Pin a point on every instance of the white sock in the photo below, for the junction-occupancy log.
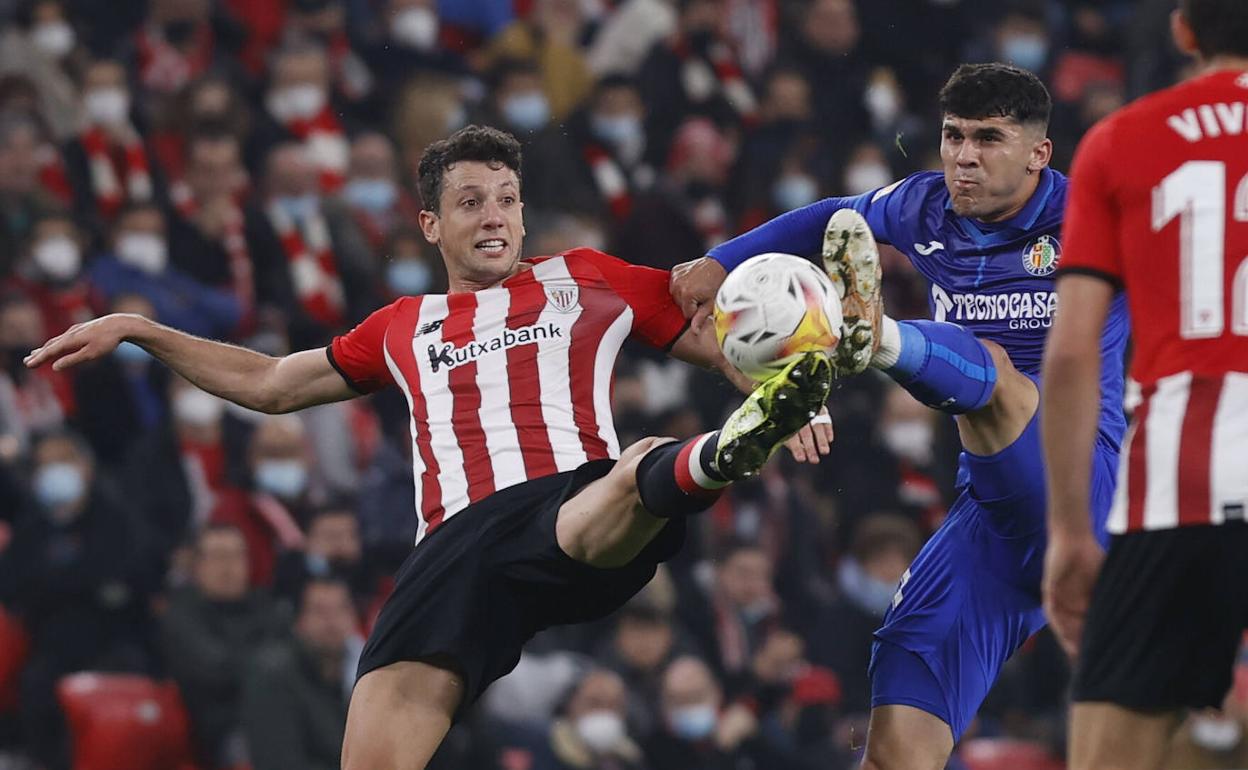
(886, 355)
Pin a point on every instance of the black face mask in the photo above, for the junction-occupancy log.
(179, 32)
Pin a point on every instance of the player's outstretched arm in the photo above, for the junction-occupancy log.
(250, 379)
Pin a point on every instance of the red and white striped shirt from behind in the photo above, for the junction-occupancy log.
(511, 383)
(1186, 457)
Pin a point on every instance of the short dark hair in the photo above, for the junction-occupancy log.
(995, 90)
(1220, 26)
(320, 581)
(484, 144)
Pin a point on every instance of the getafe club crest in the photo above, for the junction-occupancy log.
(1041, 256)
(564, 297)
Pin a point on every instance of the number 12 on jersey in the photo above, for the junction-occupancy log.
(1196, 192)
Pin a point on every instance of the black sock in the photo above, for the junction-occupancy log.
(680, 478)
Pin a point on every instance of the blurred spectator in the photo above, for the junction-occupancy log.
(22, 196)
(1021, 38)
(694, 73)
(211, 105)
(294, 696)
(139, 264)
(322, 276)
(120, 399)
(374, 195)
(410, 41)
(280, 495)
(733, 619)
(611, 141)
(866, 170)
(299, 108)
(108, 162)
(177, 44)
(551, 36)
(324, 22)
(639, 650)
(593, 732)
(409, 271)
(209, 630)
(78, 574)
(28, 399)
(332, 549)
(867, 577)
(43, 46)
(625, 37)
(51, 272)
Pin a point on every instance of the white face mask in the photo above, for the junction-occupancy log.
(883, 103)
(108, 106)
(910, 440)
(415, 28)
(296, 102)
(600, 730)
(1216, 733)
(865, 177)
(53, 39)
(146, 251)
(195, 407)
(58, 257)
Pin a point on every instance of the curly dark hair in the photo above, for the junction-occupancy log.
(978, 91)
(472, 142)
(1220, 26)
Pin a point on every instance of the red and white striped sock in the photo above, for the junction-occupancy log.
(680, 478)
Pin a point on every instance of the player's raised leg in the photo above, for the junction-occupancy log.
(609, 522)
(941, 364)
(399, 714)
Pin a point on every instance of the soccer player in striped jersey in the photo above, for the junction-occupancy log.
(530, 513)
(1158, 209)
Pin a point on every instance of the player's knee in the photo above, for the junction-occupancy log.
(1011, 386)
(625, 471)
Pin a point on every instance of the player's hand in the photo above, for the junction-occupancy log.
(84, 342)
(814, 440)
(693, 285)
(1071, 566)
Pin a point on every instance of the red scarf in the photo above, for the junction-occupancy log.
(718, 71)
(52, 176)
(165, 68)
(110, 195)
(234, 241)
(611, 180)
(324, 139)
(312, 269)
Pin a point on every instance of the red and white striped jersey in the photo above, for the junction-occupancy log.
(1158, 204)
(511, 383)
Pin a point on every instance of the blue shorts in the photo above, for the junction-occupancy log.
(972, 596)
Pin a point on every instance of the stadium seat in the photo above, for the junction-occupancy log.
(14, 647)
(1007, 754)
(125, 722)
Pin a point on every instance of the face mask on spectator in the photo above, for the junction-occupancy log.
(298, 207)
(1025, 50)
(372, 195)
(758, 609)
(145, 251)
(58, 257)
(865, 177)
(600, 730)
(282, 478)
(792, 191)
(910, 440)
(883, 103)
(58, 484)
(408, 276)
(109, 106)
(619, 131)
(527, 112)
(130, 353)
(53, 39)
(195, 407)
(694, 723)
(1216, 733)
(415, 28)
(296, 102)
(869, 594)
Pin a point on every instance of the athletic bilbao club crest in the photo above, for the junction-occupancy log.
(564, 297)
(1041, 256)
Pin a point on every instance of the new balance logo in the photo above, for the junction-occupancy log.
(432, 326)
(449, 356)
(931, 247)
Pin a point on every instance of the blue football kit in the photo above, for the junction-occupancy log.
(972, 595)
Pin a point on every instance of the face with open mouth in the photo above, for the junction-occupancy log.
(479, 227)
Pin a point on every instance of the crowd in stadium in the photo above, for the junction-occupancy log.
(244, 171)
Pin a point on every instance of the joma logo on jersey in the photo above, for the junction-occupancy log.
(449, 356)
(1020, 309)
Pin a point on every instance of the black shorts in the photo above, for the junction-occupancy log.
(1166, 619)
(475, 590)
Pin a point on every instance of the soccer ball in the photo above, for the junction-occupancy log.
(773, 308)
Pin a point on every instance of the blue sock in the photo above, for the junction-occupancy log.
(944, 366)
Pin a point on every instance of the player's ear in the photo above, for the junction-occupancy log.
(1041, 154)
(1181, 31)
(430, 225)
